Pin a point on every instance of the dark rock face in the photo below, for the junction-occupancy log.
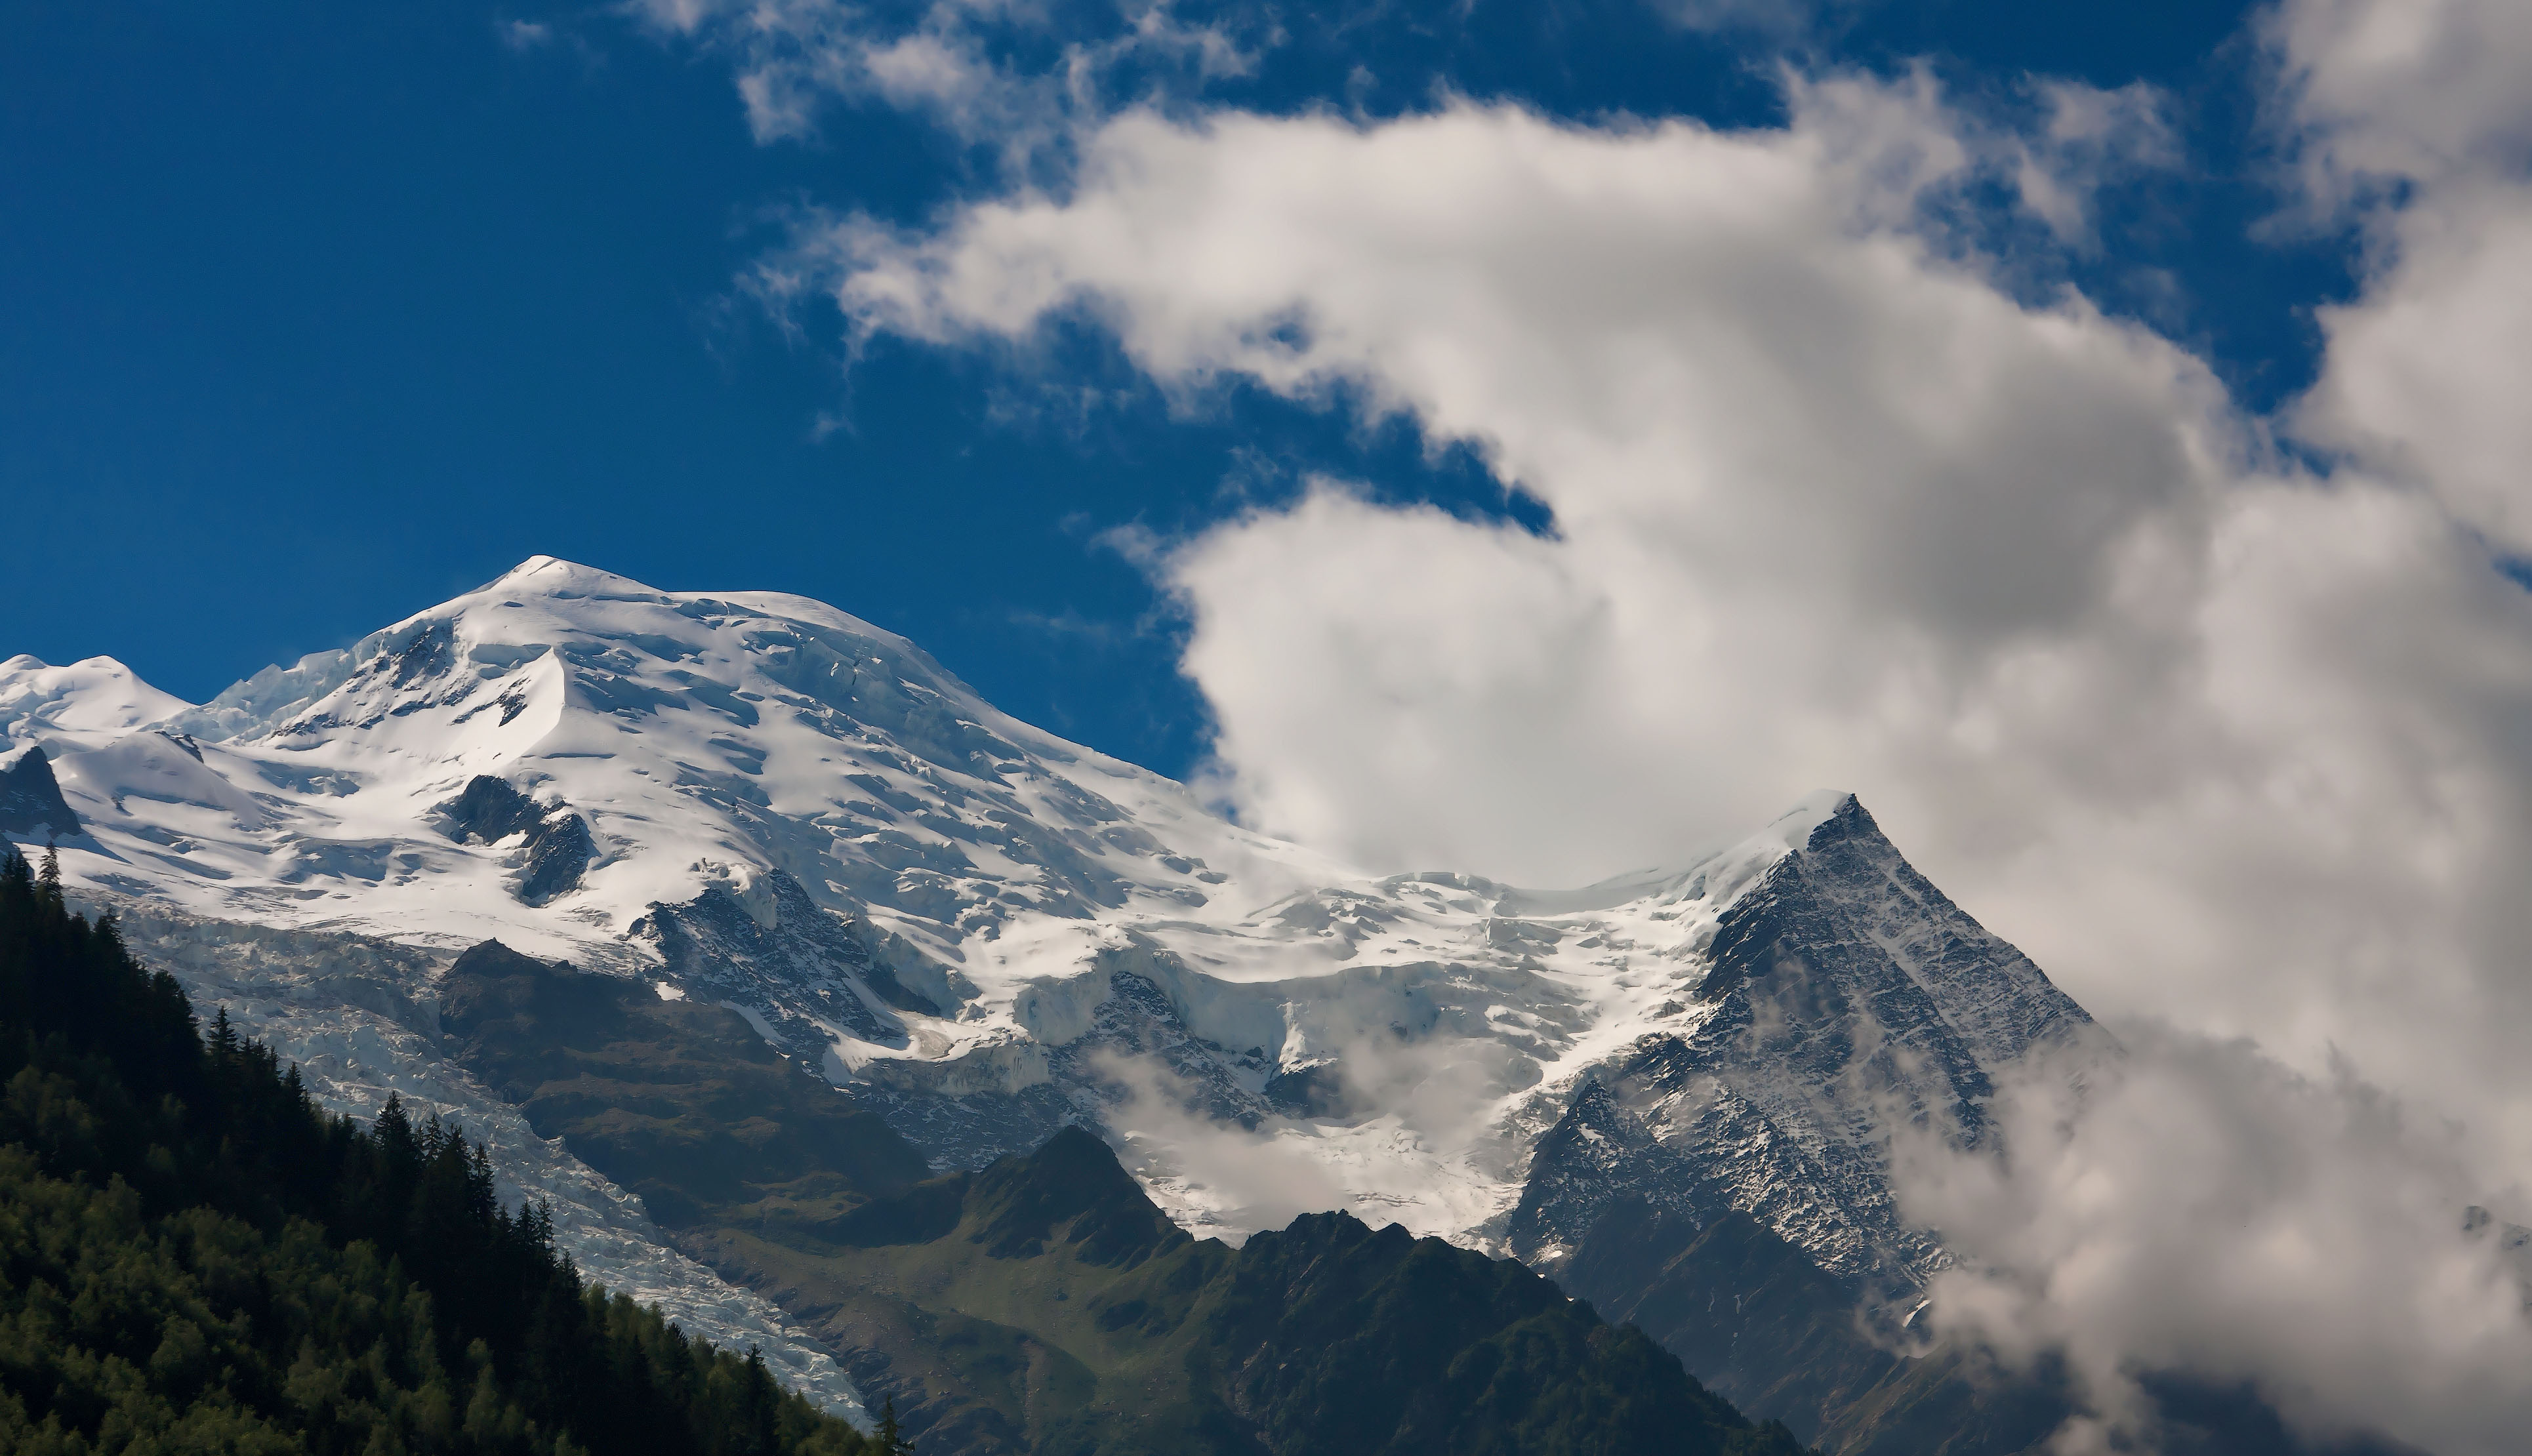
(808, 965)
(1738, 1305)
(1705, 1170)
(1313, 1090)
(1848, 994)
(490, 810)
(1138, 1022)
(428, 655)
(809, 972)
(970, 1129)
(557, 847)
(30, 798)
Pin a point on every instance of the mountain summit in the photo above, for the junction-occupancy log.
(695, 739)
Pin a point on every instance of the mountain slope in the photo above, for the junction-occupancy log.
(983, 934)
(1045, 1304)
(678, 1101)
(1840, 990)
(764, 800)
(359, 1017)
(1088, 1323)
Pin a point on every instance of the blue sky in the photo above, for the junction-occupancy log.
(310, 317)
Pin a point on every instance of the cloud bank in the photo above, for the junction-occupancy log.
(2199, 1207)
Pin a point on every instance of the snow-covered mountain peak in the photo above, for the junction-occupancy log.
(555, 577)
(692, 738)
(988, 931)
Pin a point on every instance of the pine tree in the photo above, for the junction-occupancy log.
(891, 1437)
(49, 880)
(395, 1131)
(761, 1403)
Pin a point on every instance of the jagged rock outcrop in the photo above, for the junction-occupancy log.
(30, 798)
(808, 971)
(555, 846)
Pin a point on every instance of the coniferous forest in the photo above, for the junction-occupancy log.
(194, 1257)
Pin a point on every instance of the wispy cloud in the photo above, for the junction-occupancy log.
(1005, 76)
(2090, 139)
(524, 36)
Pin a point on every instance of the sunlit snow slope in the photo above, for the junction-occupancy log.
(988, 931)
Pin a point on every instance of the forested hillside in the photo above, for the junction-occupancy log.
(194, 1257)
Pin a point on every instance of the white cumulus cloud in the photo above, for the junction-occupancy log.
(2224, 739)
(2214, 736)
(2420, 114)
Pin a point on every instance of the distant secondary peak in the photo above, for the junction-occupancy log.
(1072, 1170)
(95, 694)
(492, 958)
(1071, 1189)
